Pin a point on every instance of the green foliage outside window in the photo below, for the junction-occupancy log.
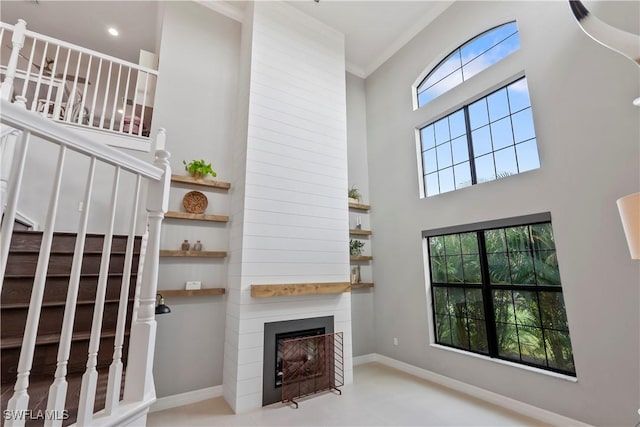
(521, 276)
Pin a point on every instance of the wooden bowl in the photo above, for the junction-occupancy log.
(195, 202)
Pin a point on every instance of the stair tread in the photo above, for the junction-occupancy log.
(59, 252)
(26, 276)
(39, 390)
(16, 342)
(56, 304)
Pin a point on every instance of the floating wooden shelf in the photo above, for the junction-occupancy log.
(202, 182)
(197, 217)
(295, 289)
(362, 285)
(191, 292)
(359, 206)
(361, 258)
(196, 254)
(358, 232)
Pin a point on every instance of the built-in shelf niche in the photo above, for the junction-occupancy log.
(171, 293)
(361, 285)
(359, 232)
(183, 179)
(196, 217)
(195, 254)
(359, 206)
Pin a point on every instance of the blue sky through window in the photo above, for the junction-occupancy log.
(468, 60)
(502, 139)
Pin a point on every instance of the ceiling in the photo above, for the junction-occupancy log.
(374, 30)
(85, 23)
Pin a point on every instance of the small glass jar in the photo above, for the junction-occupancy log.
(197, 246)
(185, 245)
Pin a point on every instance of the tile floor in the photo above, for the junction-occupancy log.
(379, 396)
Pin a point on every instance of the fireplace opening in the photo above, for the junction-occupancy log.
(275, 333)
(280, 338)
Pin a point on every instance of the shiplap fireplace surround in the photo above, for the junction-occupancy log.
(289, 205)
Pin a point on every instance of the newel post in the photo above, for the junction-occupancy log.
(17, 40)
(139, 384)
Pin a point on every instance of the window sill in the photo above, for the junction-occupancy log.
(506, 362)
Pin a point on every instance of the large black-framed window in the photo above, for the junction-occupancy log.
(496, 291)
(490, 138)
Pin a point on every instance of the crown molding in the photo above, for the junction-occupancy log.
(355, 70)
(225, 8)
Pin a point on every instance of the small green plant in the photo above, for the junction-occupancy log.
(355, 247)
(354, 193)
(199, 168)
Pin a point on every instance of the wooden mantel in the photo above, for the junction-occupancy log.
(295, 289)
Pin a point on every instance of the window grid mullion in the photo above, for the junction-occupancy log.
(487, 297)
(515, 317)
(472, 163)
(544, 336)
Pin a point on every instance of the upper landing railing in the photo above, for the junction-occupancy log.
(75, 85)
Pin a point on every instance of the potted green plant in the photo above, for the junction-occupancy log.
(199, 168)
(354, 195)
(355, 247)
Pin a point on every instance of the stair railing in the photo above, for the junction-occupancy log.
(74, 85)
(139, 391)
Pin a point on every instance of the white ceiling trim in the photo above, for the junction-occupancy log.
(355, 70)
(223, 7)
(405, 37)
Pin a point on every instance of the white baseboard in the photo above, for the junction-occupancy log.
(365, 358)
(480, 393)
(187, 398)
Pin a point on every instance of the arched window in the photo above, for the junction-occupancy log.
(468, 60)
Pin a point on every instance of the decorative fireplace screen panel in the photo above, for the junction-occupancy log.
(312, 364)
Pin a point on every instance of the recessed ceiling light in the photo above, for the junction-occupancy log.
(120, 111)
(113, 31)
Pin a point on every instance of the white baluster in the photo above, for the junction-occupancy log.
(27, 80)
(136, 295)
(58, 390)
(95, 94)
(90, 377)
(124, 100)
(17, 40)
(20, 400)
(115, 370)
(133, 108)
(139, 380)
(115, 99)
(106, 95)
(60, 92)
(74, 90)
(144, 100)
(51, 82)
(84, 91)
(15, 184)
(39, 81)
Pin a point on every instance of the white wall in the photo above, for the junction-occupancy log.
(588, 134)
(362, 313)
(195, 102)
(294, 207)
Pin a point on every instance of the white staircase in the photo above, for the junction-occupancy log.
(25, 128)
